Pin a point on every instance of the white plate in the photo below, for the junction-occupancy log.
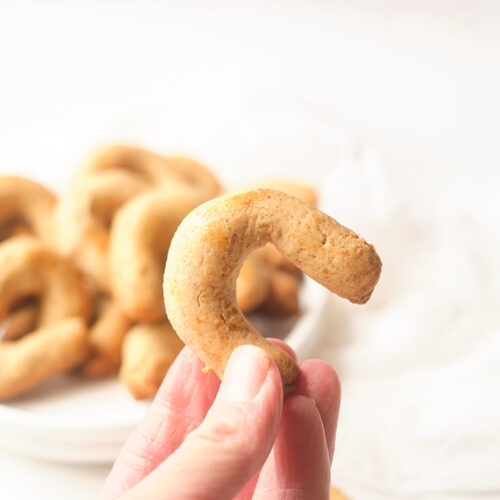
(70, 419)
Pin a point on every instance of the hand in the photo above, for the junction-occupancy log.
(202, 439)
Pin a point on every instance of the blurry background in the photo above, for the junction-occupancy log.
(393, 108)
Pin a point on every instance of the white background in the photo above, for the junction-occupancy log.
(420, 81)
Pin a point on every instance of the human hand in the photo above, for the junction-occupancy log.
(202, 439)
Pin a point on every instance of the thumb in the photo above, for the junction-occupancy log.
(218, 458)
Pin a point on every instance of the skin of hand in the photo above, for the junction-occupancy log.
(205, 439)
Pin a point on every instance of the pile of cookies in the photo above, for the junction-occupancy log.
(81, 275)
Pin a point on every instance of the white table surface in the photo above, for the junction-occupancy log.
(421, 82)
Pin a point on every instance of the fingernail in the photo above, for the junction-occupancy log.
(245, 374)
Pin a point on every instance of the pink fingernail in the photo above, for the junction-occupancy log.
(245, 374)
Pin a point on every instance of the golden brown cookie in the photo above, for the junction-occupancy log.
(107, 334)
(26, 208)
(84, 215)
(213, 241)
(139, 244)
(45, 352)
(29, 270)
(109, 177)
(283, 296)
(148, 352)
(253, 283)
(21, 320)
(153, 168)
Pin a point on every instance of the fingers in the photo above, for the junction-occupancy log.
(227, 449)
(179, 407)
(319, 381)
(298, 467)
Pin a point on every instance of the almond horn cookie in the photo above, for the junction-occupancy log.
(153, 168)
(41, 354)
(253, 284)
(148, 352)
(107, 333)
(210, 246)
(139, 242)
(109, 177)
(84, 216)
(29, 270)
(20, 321)
(26, 208)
